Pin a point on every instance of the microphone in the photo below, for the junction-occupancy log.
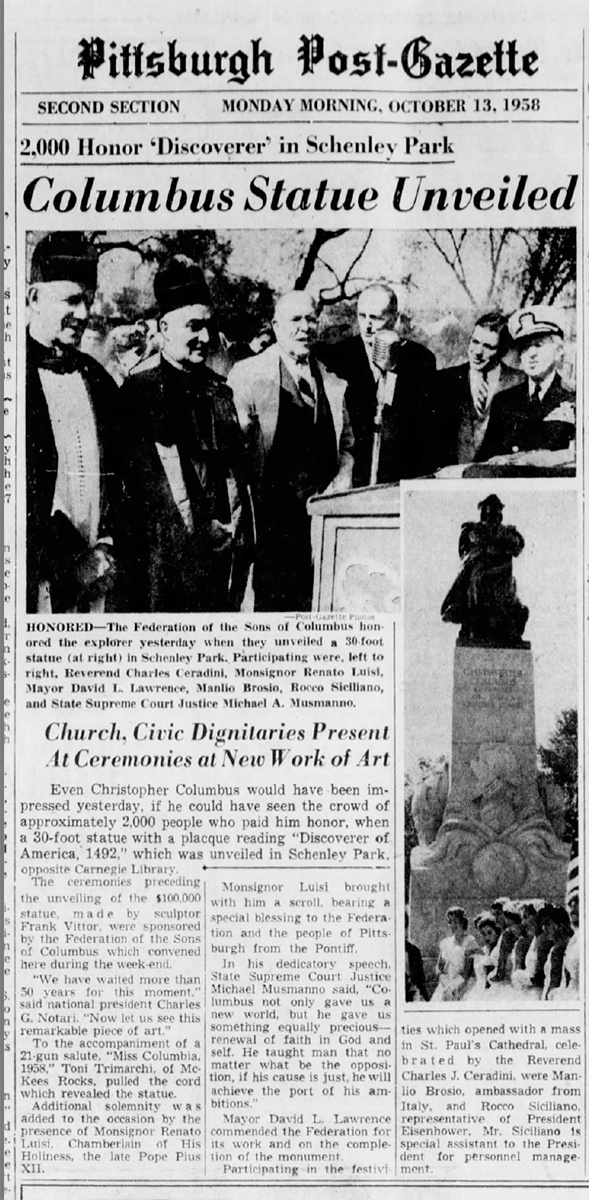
(385, 350)
(384, 358)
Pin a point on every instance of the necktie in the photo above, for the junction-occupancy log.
(306, 389)
(535, 394)
(480, 393)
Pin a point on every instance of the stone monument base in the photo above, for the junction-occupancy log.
(495, 838)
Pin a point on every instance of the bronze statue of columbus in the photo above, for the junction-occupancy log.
(483, 598)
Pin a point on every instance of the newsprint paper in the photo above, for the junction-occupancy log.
(293, 575)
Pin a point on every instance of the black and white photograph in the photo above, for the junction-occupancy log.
(295, 565)
(491, 802)
(219, 420)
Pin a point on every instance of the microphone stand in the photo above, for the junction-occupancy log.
(385, 391)
(377, 436)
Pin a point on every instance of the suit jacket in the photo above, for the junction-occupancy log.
(517, 424)
(166, 567)
(53, 544)
(255, 383)
(454, 402)
(415, 985)
(408, 434)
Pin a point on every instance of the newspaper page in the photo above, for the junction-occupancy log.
(295, 636)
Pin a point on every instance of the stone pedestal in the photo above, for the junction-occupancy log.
(356, 540)
(495, 838)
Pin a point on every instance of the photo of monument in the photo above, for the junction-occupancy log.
(490, 832)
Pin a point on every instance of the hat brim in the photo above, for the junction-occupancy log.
(545, 332)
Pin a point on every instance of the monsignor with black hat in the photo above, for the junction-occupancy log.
(186, 524)
(70, 403)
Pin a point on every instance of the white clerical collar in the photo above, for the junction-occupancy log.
(172, 363)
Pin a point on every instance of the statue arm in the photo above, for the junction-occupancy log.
(514, 539)
(467, 540)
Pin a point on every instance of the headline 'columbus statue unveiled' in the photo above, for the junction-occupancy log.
(490, 833)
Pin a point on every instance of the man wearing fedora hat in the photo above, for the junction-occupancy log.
(70, 403)
(186, 524)
(539, 413)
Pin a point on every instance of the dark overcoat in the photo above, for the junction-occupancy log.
(408, 429)
(54, 545)
(166, 568)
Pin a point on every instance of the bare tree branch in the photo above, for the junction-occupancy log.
(498, 239)
(356, 260)
(455, 263)
(333, 294)
(144, 248)
(329, 268)
(320, 237)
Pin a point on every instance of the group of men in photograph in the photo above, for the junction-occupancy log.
(185, 492)
(487, 409)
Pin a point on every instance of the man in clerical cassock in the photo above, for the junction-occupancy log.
(186, 525)
(70, 406)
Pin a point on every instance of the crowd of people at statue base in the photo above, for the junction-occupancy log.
(522, 953)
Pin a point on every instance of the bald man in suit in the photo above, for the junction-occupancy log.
(299, 442)
(401, 371)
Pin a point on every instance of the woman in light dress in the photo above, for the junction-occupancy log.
(523, 973)
(455, 961)
(480, 989)
(525, 976)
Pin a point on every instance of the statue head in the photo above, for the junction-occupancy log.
(491, 510)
